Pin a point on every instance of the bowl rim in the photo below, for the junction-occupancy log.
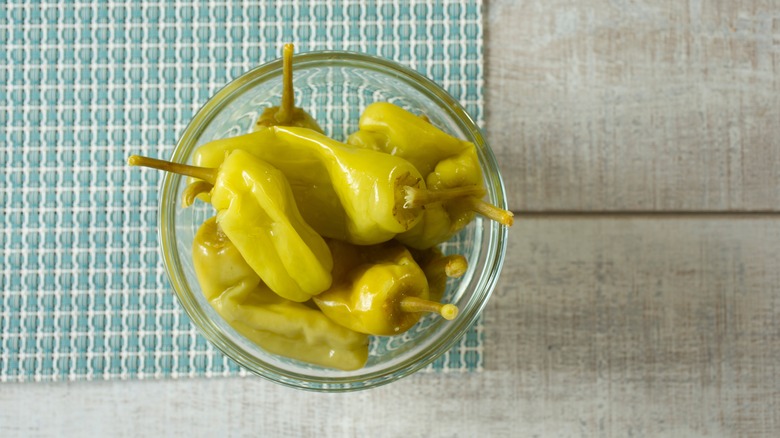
(497, 236)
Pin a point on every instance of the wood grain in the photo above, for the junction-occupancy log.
(653, 326)
(635, 105)
(610, 326)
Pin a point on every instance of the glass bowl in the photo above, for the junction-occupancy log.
(334, 87)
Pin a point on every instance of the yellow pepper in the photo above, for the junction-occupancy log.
(343, 192)
(378, 290)
(218, 264)
(292, 329)
(279, 326)
(391, 129)
(256, 211)
(450, 167)
(286, 114)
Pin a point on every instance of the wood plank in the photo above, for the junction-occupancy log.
(656, 326)
(611, 326)
(635, 105)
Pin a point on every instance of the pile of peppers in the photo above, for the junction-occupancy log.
(315, 244)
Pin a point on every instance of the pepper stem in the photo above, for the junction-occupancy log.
(414, 304)
(204, 173)
(490, 211)
(454, 265)
(416, 197)
(285, 113)
(193, 190)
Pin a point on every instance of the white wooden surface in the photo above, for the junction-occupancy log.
(603, 325)
(607, 326)
(638, 105)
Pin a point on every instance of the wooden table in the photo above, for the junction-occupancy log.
(640, 144)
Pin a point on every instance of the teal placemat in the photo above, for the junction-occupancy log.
(84, 85)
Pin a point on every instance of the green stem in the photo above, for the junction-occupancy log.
(456, 265)
(453, 266)
(490, 211)
(285, 113)
(204, 173)
(418, 197)
(414, 304)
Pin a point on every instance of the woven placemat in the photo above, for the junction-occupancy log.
(84, 85)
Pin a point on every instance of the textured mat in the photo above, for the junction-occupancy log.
(82, 85)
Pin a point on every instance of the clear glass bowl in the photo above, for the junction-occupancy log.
(334, 87)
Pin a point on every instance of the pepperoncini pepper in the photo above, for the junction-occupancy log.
(292, 329)
(287, 114)
(279, 326)
(378, 290)
(389, 128)
(347, 193)
(450, 166)
(256, 211)
(218, 264)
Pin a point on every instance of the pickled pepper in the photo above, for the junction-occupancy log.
(291, 329)
(450, 166)
(277, 325)
(363, 191)
(378, 290)
(256, 211)
(218, 264)
(389, 128)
